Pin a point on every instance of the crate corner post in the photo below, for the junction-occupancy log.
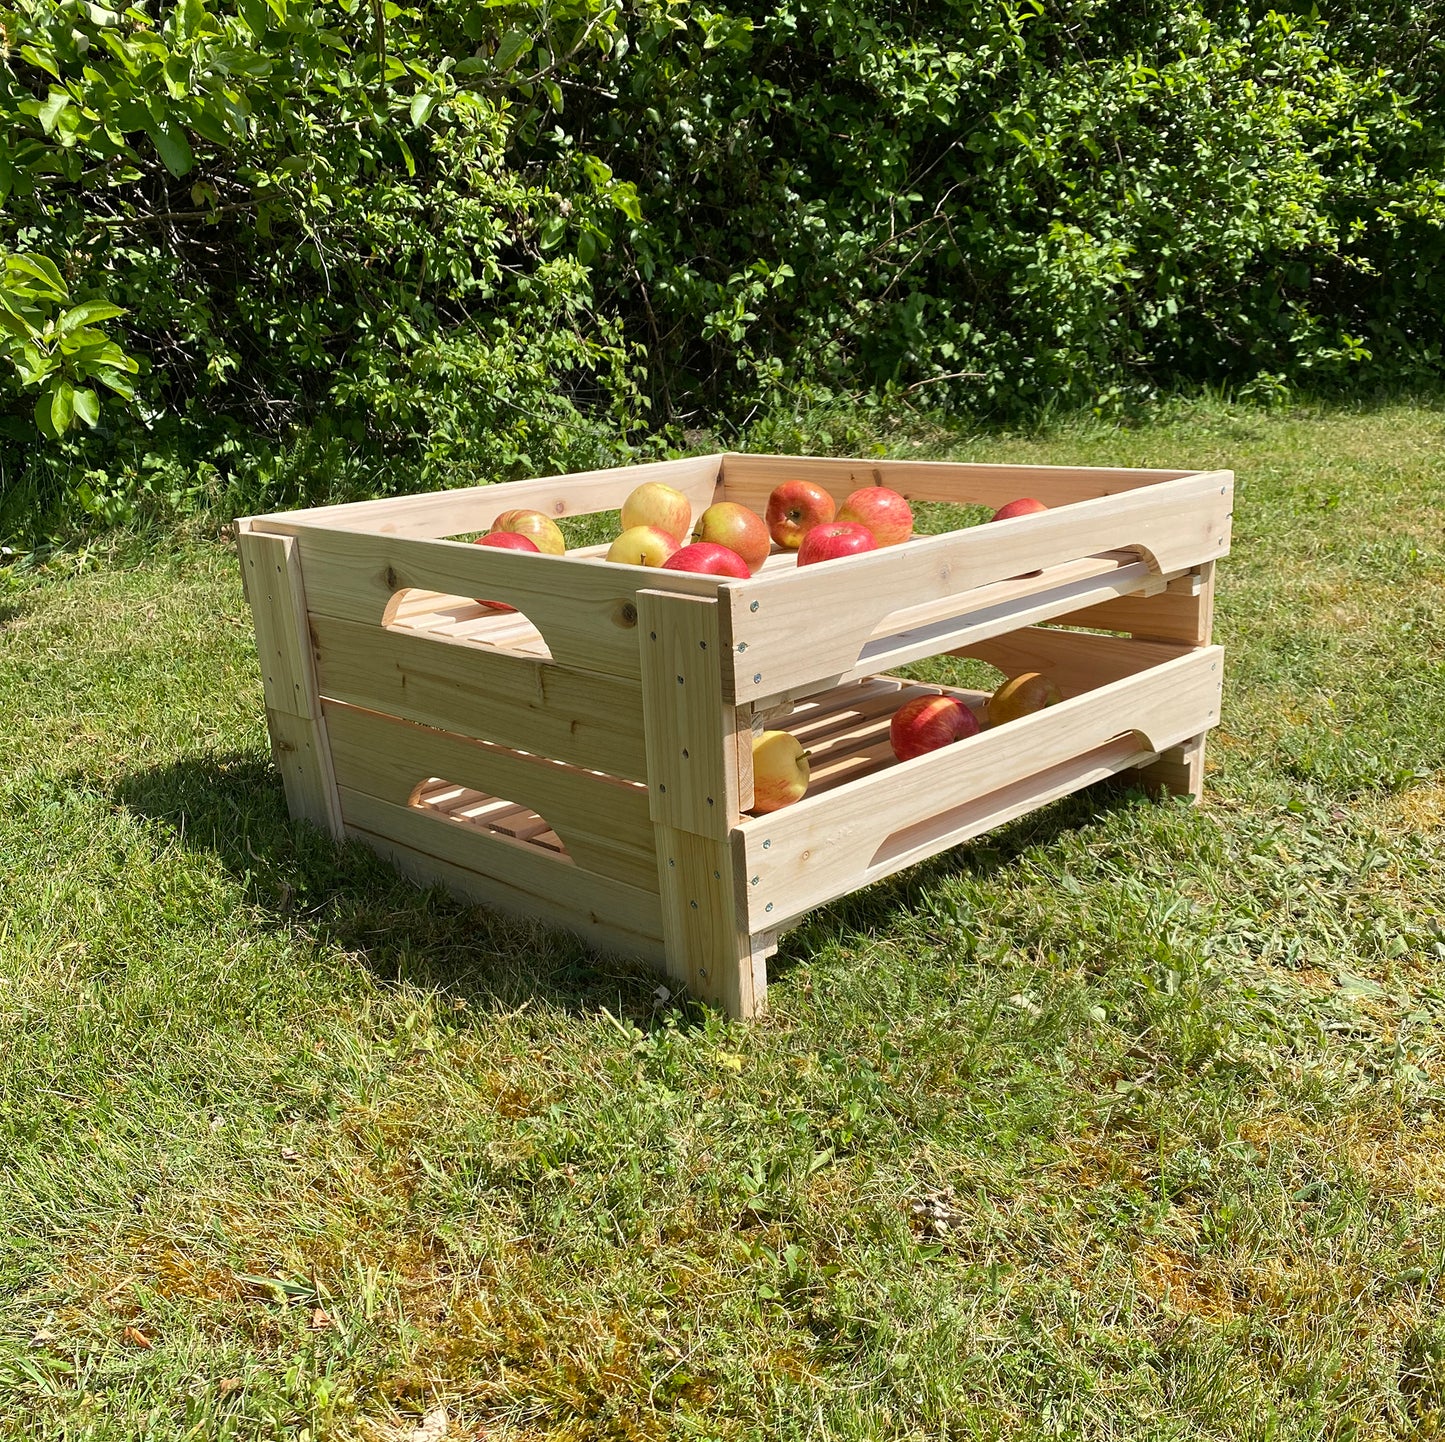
(271, 576)
(693, 796)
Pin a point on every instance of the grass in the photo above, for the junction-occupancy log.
(1125, 1121)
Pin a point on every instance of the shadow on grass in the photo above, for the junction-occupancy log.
(233, 807)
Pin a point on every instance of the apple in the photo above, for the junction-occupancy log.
(505, 541)
(739, 529)
(794, 508)
(833, 540)
(1024, 506)
(654, 504)
(928, 722)
(709, 558)
(534, 525)
(882, 511)
(1024, 694)
(780, 771)
(642, 546)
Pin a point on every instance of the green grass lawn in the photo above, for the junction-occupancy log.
(1127, 1121)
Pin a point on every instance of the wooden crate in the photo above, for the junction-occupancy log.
(587, 760)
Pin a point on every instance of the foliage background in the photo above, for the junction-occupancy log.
(268, 251)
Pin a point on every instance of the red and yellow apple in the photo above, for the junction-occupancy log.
(1024, 506)
(780, 770)
(928, 722)
(728, 524)
(539, 529)
(881, 511)
(708, 558)
(642, 546)
(505, 541)
(1020, 696)
(656, 504)
(794, 508)
(833, 540)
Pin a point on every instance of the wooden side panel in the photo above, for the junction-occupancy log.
(271, 574)
(828, 845)
(1183, 611)
(1075, 661)
(508, 877)
(581, 717)
(1178, 772)
(602, 821)
(751, 479)
(693, 790)
(586, 610)
(458, 512)
(1175, 524)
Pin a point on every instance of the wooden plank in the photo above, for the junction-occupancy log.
(808, 626)
(1183, 611)
(271, 574)
(508, 876)
(474, 508)
(1075, 661)
(1179, 771)
(751, 479)
(587, 611)
(604, 822)
(580, 717)
(691, 752)
(827, 845)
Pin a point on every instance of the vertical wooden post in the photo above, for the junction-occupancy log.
(1179, 771)
(694, 790)
(271, 575)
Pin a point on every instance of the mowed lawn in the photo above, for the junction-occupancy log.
(1127, 1121)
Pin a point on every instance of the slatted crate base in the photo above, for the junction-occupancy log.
(585, 758)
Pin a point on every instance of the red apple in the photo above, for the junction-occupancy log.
(882, 511)
(794, 509)
(709, 558)
(505, 541)
(739, 529)
(833, 540)
(1024, 506)
(540, 529)
(780, 771)
(655, 504)
(928, 722)
(1024, 694)
(642, 546)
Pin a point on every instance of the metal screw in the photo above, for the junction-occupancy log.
(679, 680)
(661, 787)
(671, 862)
(653, 634)
(766, 844)
(757, 678)
(702, 645)
(709, 801)
(693, 904)
(684, 753)
(768, 907)
(753, 607)
(742, 645)
(717, 876)
(755, 881)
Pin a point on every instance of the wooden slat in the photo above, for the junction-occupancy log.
(827, 845)
(271, 574)
(751, 479)
(1074, 660)
(579, 717)
(508, 876)
(808, 626)
(474, 508)
(586, 612)
(1183, 611)
(603, 821)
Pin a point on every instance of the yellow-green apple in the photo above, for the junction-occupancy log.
(656, 504)
(739, 529)
(710, 559)
(780, 770)
(1024, 506)
(541, 530)
(794, 508)
(882, 511)
(642, 546)
(505, 541)
(834, 540)
(928, 722)
(1020, 696)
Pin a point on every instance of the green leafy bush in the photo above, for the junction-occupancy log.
(354, 244)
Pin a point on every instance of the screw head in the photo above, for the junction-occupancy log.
(768, 907)
(766, 844)
(753, 607)
(757, 678)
